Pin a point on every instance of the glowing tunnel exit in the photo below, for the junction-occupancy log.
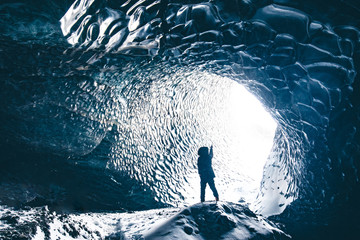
(179, 111)
(242, 133)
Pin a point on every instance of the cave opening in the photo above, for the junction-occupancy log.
(242, 132)
(182, 110)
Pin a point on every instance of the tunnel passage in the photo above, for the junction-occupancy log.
(176, 112)
(301, 68)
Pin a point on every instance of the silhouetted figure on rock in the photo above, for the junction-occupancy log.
(206, 172)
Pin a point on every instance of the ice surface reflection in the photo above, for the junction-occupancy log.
(177, 113)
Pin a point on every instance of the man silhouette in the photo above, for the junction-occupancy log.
(206, 172)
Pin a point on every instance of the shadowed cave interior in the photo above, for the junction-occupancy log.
(130, 91)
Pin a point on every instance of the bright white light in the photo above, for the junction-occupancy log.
(251, 130)
(248, 132)
(184, 111)
(242, 133)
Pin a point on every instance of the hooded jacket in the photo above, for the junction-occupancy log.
(204, 163)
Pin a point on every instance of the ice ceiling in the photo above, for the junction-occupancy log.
(300, 64)
(301, 69)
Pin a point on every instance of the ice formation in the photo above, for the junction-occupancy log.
(82, 89)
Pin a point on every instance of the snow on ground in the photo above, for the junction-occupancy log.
(40, 223)
(216, 220)
(202, 221)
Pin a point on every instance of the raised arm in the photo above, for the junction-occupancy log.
(211, 152)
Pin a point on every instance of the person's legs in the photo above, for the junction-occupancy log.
(213, 188)
(203, 186)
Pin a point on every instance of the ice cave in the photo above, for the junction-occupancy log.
(104, 104)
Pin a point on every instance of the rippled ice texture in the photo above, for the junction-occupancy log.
(301, 69)
(69, 94)
(166, 124)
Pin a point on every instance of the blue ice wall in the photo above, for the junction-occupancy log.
(299, 58)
